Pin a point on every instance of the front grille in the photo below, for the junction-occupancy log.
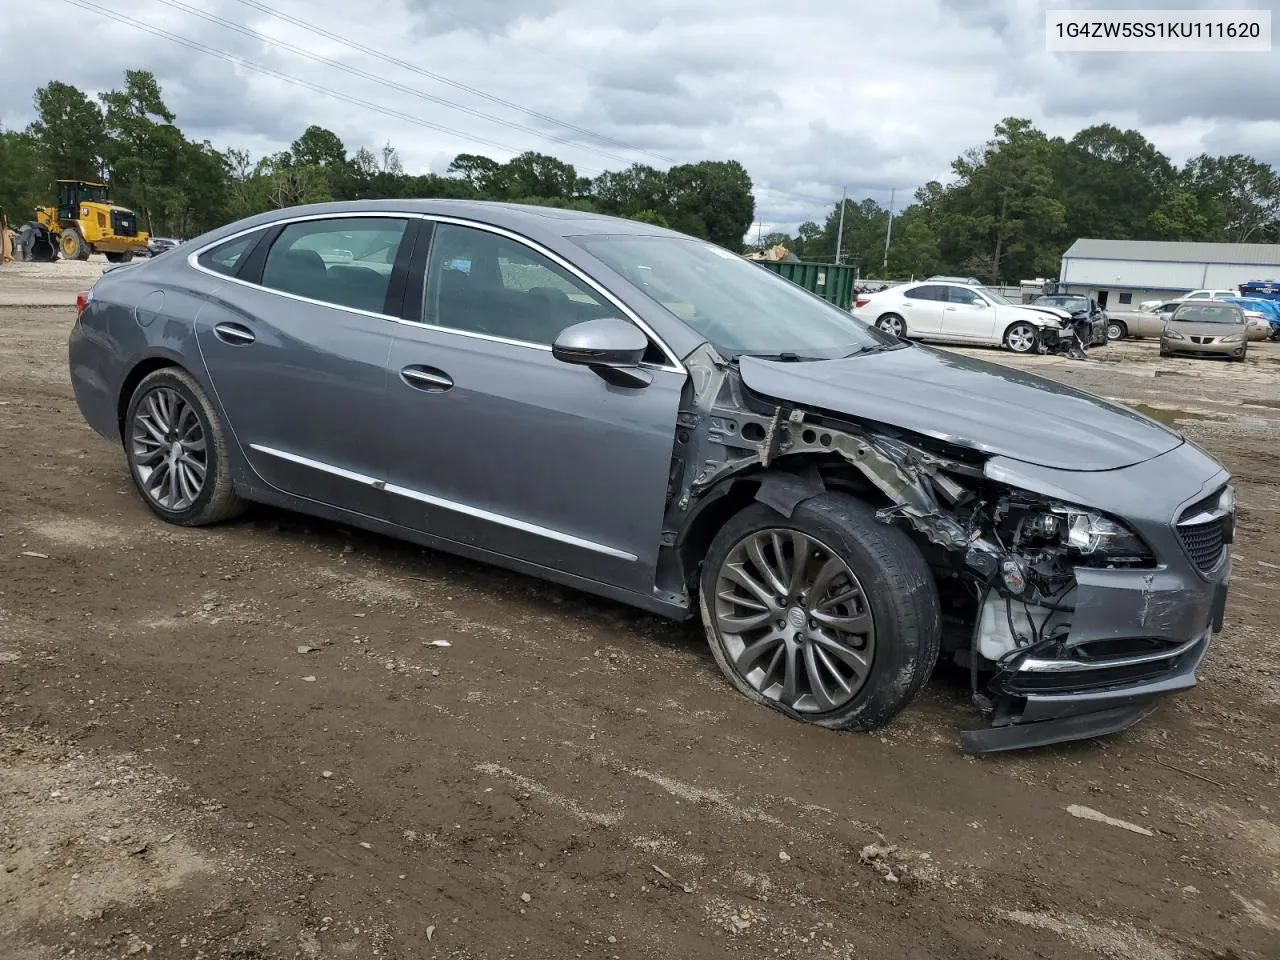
(1203, 340)
(1204, 541)
(124, 224)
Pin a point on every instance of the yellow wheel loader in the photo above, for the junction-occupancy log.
(85, 221)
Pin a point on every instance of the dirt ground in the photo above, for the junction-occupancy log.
(283, 738)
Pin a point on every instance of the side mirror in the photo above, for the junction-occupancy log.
(610, 346)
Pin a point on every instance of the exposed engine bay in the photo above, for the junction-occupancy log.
(1004, 559)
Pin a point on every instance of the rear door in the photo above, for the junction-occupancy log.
(504, 448)
(922, 308)
(296, 347)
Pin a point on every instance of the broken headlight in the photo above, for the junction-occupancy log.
(1084, 532)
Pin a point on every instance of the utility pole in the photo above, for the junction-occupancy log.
(844, 193)
(759, 232)
(888, 231)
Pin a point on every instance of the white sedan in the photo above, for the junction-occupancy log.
(958, 313)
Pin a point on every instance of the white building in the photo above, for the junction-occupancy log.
(1120, 274)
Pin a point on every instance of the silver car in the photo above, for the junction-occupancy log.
(648, 417)
(1207, 328)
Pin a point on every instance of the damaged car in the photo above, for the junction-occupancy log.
(650, 418)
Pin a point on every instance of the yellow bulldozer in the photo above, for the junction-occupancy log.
(85, 221)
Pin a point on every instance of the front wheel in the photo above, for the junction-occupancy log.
(1022, 338)
(178, 451)
(828, 616)
(73, 245)
(1116, 330)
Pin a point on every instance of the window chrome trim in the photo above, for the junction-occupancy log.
(675, 366)
(453, 505)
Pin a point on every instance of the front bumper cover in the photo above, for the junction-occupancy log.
(1076, 693)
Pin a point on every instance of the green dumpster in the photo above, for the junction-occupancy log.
(832, 281)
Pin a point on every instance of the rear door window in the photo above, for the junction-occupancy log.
(927, 292)
(343, 261)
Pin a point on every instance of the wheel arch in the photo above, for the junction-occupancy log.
(141, 369)
(782, 488)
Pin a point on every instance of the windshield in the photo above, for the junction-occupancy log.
(998, 298)
(1209, 313)
(739, 306)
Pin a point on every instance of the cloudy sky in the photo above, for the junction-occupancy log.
(810, 95)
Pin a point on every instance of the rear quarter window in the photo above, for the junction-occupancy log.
(226, 257)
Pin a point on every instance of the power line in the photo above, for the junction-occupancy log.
(276, 74)
(364, 74)
(457, 85)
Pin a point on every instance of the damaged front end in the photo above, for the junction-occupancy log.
(1071, 620)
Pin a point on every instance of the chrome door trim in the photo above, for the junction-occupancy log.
(675, 366)
(465, 509)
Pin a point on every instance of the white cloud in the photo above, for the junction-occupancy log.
(810, 96)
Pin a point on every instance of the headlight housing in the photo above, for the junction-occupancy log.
(1085, 533)
(1173, 335)
(1234, 338)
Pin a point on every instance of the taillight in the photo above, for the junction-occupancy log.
(861, 302)
(82, 301)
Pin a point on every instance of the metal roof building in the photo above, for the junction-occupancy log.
(1122, 273)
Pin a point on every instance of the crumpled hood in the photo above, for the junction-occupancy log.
(969, 402)
(1056, 312)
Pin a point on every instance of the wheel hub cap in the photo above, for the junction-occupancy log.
(794, 621)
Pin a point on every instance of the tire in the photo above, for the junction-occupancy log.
(149, 451)
(72, 244)
(894, 325)
(1116, 330)
(1022, 337)
(123, 257)
(896, 589)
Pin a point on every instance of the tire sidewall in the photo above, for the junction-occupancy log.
(892, 318)
(906, 650)
(1117, 325)
(166, 379)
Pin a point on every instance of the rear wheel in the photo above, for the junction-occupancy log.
(124, 257)
(828, 616)
(178, 451)
(1022, 337)
(73, 245)
(893, 324)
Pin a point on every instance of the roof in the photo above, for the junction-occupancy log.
(1249, 254)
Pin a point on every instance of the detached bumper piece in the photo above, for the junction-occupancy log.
(1041, 701)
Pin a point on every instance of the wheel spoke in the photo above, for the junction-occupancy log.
(856, 660)
(194, 465)
(820, 655)
(754, 621)
(852, 623)
(791, 674)
(801, 554)
(755, 550)
(814, 676)
(186, 479)
(738, 574)
(826, 575)
(752, 652)
(826, 603)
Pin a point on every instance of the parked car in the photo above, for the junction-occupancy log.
(955, 313)
(1082, 309)
(1263, 316)
(158, 245)
(1210, 328)
(1147, 321)
(966, 281)
(645, 416)
(1209, 294)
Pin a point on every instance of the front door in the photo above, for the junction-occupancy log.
(505, 448)
(968, 316)
(297, 354)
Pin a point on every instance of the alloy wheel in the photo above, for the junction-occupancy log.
(1114, 331)
(1021, 338)
(794, 621)
(892, 325)
(169, 450)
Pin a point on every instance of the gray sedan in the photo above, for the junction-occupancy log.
(1206, 328)
(648, 417)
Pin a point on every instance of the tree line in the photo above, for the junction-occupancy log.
(1019, 200)
(180, 187)
(1012, 206)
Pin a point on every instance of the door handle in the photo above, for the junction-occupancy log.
(234, 334)
(948, 308)
(426, 378)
